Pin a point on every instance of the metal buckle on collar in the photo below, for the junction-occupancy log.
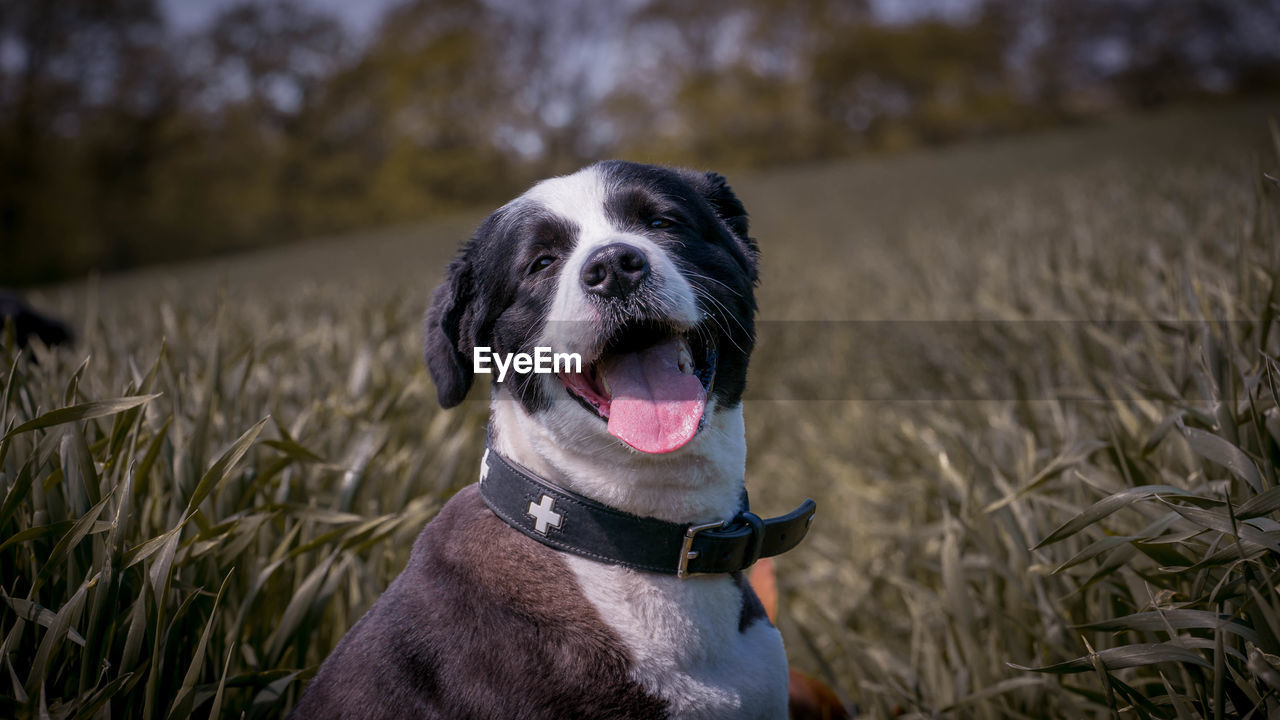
(687, 552)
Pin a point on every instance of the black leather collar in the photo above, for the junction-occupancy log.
(570, 522)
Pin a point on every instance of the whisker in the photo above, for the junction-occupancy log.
(700, 276)
(707, 296)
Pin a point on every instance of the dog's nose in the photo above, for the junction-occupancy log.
(615, 270)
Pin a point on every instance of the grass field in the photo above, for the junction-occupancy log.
(1032, 384)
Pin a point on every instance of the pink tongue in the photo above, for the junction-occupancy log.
(655, 407)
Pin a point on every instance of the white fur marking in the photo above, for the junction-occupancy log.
(573, 323)
(700, 482)
(685, 644)
(682, 635)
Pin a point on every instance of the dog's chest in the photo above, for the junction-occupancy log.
(685, 642)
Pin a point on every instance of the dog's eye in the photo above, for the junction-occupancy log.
(660, 223)
(541, 263)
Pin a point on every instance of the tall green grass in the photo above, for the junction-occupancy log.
(195, 539)
(201, 497)
(1083, 523)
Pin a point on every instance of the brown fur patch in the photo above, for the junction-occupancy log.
(483, 623)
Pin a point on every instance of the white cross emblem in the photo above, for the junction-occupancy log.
(543, 514)
(484, 465)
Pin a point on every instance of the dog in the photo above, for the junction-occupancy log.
(595, 569)
(29, 324)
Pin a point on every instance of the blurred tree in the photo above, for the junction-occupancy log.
(927, 82)
(409, 130)
(269, 65)
(730, 82)
(277, 55)
(121, 142)
(554, 58)
(81, 93)
(1086, 55)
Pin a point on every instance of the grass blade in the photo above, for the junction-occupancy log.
(1156, 621)
(223, 466)
(182, 703)
(1105, 507)
(1120, 658)
(84, 411)
(1217, 450)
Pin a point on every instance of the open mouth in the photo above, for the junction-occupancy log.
(650, 385)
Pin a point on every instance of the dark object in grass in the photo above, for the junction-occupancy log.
(29, 323)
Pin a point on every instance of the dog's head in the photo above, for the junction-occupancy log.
(647, 273)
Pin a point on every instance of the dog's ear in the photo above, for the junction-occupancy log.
(449, 342)
(715, 189)
(727, 206)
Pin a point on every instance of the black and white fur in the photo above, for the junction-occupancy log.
(485, 622)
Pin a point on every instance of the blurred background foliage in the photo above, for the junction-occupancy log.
(128, 138)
